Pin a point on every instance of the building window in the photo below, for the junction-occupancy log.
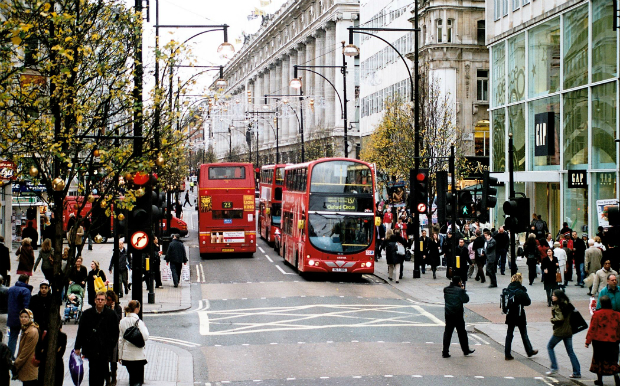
(576, 47)
(497, 9)
(505, 3)
(483, 85)
(30, 52)
(439, 30)
(481, 139)
(516, 4)
(526, 2)
(450, 22)
(481, 33)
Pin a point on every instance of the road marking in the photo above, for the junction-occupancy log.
(203, 317)
(429, 315)
(179, 342)
(448, 376)
(476, 337)
(509, 377)
(197, 272)
(261, 249)
(479, 377)
(284, 273)
(268, 258)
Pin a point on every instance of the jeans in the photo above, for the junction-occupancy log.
(510, 335)
(14, 334)
(175, 268)
(501, 254)
(136, 372)
(568, 343)
(451, 324)
(580, 273)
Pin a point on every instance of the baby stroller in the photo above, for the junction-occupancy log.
(75, 301)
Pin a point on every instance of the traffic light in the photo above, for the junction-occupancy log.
(419, 186)
(465, 205)
(442, 190)
(489, 192)
(450, 203)
(517, 211)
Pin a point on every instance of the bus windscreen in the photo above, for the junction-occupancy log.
(226, 172)
(341, 177)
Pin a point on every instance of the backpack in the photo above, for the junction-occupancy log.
(507, 302)
(540, 226)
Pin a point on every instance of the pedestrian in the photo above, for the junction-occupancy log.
(32, 234)
(611, 291)
(41, 355)
(448, 253)
(604, 335)
(461, 261)
(579, 251)
(549, 240)
(425, 252)
(19, 298)
(401, 258)
(549, 265)
(26, 371)
(96, 338)
(491, 258)
(380, 237)
(515, 317)
(95, 272)
(480, 258)
(156, 263)
(560, 254)
(593, 261)
(130, 355)
(78, 273)
(176, 257)
(46, 258)
(178, 209)
(391, 258)
(25, 257)
(562, 331)
(601, 278)
(112, 304)
(565, 229)
(6, 362)
(5, 262)
(40, 305)
(124, 265)
(187, 200)
(434, 254)
(455, 296)
(502, 242)
(530, 251)
(472, 257)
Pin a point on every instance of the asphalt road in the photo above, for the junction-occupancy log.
(255, 321)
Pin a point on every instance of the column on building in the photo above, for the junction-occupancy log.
(319, 83)
(264, 89)
(268, 118)
(293, 124)
(330, 56)
(301, 59)
(309, 84)
(284, 110)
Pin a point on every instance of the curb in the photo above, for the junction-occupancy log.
(167, 311)
(380, 276)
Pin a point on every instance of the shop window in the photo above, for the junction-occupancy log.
(575, 128)
(499, 74)
(541, 106)
(516, 68)
(604, 41)
(604, 103)
(544, 58)
(603, 194)
(483, 85)
(576, 47)
(499, 141)
(481, 139)
(439, 30)
(575, 207)
(516, 122)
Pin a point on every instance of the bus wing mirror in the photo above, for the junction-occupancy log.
(377, 221)
(300, 224)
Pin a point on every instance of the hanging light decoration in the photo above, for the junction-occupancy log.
(58, 184)
(33, 171)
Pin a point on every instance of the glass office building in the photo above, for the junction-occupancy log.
(554, 87)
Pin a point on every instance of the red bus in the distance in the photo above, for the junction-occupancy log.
(270, 206)
(328, 211)
(226, 222)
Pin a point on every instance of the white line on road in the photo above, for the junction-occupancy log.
(202, 273)
(284, 273)
(203, 316)
(173, 341)
(261, 249)
(430, 316)
(268, 258)
(476, 337)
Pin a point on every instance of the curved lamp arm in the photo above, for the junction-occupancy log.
(330, 83)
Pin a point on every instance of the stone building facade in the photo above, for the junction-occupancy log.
(301, 32)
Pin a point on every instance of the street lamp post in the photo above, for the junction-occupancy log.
(352, 50)
(276, 130)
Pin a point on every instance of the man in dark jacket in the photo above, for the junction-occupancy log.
(515, 317)
(5, 262)
(32, 233)
(490, 248)
(379, 240)
(176, 257)
(448, 252)
(424, 239)
(579, 254)
(40, 306)
(480, 259)
(502, 242)
(96, 338)
(19, 298)
(123, 266)
(455, 296)
(4, 297)
(461, 261)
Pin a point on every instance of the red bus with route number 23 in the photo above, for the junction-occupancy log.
(226, 217)
(328, 210)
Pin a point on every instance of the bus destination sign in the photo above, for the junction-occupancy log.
(333, 204)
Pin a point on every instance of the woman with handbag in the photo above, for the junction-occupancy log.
(434, 252)
(604, 334)
(562, 331)
(25, 258)
(391, 257)
(95, 282)
(560, 254)
(25, 369)
(133, 335)
(530, 251)
(46, 257)
(549, 266)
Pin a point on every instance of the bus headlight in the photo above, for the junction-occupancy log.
(311, 262)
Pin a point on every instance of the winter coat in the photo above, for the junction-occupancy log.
(614, 296)
(40, 307)
(502, 240)
(5, 260)
(19, 298)
(31, 233)
(391, 257)
(25, 253)
(579, 250)
(560, 254)
(604, 327)
(6, 362)
(26, 371)
(454, 297)
(97, 334)
(79, 236)
(516, 315)
(176, 252)
(128, 351)
(479, 244)
(600, 280)
(463, 254)
(593, 259)
(78, 276)
(433, 253)
(46, 259)
(552, 268)
(490, 251)
(123, 261)
(560, 317)
(90, 284)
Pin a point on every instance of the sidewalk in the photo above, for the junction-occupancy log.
(484, 301)
(167, 365)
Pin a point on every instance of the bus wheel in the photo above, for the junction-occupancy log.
(203, 256)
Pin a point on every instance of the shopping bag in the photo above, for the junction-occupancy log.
(129, 276)
(166, 273)
(185, 272)
(99, 284)
(577, 323)
(76, 368)
(589, 280)
(592, 305)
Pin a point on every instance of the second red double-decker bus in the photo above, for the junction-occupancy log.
(328, 211)
(226, 222)
(270, 206)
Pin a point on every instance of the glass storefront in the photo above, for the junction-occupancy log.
(576, 129)
(499, 141)
(576, 47)
(604, 41)
(544, 58)
(540, 106)
(603, 188)
(516, 68)
(499, 74)
(516, 116)
(604, 108)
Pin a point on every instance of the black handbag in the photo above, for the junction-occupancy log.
(577, 322)
(134, 336)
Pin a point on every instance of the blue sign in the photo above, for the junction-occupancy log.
(228, 221)
(28, 186)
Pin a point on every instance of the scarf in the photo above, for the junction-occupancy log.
(30, 321)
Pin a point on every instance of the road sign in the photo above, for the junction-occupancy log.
(139, 240)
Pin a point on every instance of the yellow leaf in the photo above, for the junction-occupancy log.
(16, 40)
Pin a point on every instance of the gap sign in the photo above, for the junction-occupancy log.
(544, 130)
(577, 179)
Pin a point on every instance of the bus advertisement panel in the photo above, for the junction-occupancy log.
(226, 222)
(328, 211)
(270, 205)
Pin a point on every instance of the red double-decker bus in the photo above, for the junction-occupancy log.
(226, 222)
(270, 206)
(328, 210)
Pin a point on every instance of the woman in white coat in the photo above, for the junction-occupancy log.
(560, 254)
(129, 355)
